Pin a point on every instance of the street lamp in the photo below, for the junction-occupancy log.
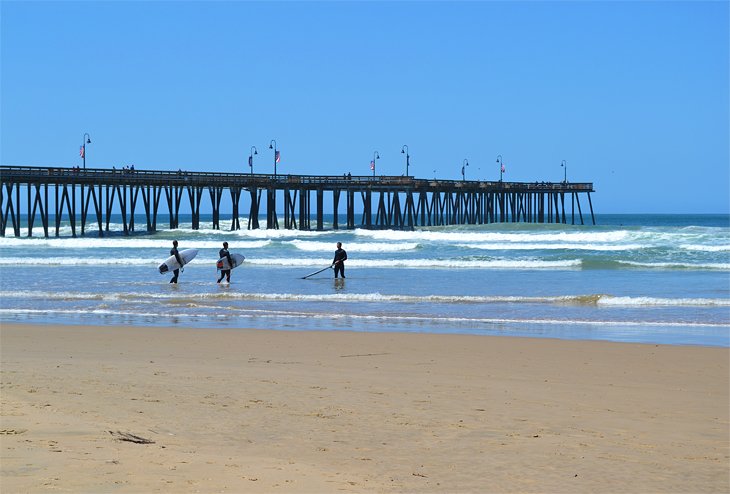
(564, 164)
(272, 145)
(250, 158)
(501, 166)
(82, 151)
(376, 156)
(403, 150)
(463, 169)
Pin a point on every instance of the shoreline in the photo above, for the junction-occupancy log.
(721, 342)
(325, 411)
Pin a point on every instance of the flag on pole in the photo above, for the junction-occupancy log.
(82, 151)
(502, 168)
(277, 156)
(250, 161)
(372, 165)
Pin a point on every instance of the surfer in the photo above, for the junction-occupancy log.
(339, 261)
(174, 252)
(225, 272)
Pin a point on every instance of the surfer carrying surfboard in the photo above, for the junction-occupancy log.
(174, 252)
(339, 261)
(225, 272)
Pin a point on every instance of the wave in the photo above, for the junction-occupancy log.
(310, 246)
(706, 248)
(553, 246)
(80, 261)
(587, 299)
(678, 265)
(124, 243)
(381, 318)
(426, 263)
(306, 263)
(477, 237)
(656, 302)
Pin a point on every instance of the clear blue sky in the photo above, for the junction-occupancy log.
(633, 95)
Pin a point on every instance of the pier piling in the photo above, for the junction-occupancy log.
(399, 202)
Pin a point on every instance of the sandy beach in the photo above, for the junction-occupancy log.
(131, 409)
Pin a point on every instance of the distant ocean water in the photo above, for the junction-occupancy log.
(635, 278)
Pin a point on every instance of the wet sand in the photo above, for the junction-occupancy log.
(130, 409)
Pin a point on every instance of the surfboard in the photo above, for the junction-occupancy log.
(223, 261)
(171, 263)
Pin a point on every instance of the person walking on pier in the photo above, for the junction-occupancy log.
(225, 273)
(174, 252)
(339, 261)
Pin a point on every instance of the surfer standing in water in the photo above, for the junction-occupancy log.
(225, 272)
(339, 261)
(174, 252)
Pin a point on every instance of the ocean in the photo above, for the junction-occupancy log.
(661, 279)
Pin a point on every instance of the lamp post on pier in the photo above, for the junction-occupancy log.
(564, 165)
(501, 166)
(403, 150)
(463, 169)
(84, 141)
(376, 156)
(250, 158)
(272, 145)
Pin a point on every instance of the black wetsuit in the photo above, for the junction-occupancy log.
(225, 272)
(174, 252)
(341, 256)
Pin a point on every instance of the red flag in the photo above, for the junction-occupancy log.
(82, 151)
(277, 157)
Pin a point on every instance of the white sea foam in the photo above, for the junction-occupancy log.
(551, 246)
(381, 318)
(589, 299)
(706, 248)
(125, 243)
(308, 263)
(678, 265)
(80, 261)
(426, 263)
(461, 236)
(607, 300)
(310, 246)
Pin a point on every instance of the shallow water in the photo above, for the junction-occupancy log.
(654, 279)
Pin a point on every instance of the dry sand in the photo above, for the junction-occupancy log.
(272, 411)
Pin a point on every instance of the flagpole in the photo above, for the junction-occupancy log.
(272, 145)
(403, 150)
(84, 141)
(250, 158)
(376, 156)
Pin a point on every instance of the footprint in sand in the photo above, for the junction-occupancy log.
(11, 432)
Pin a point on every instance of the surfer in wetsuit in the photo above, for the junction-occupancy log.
(339, 261)
(225, 272)
(174, 252)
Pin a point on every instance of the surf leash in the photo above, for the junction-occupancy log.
(317, 272)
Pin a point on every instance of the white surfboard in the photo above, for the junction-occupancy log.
(223, 261)
(171, 263)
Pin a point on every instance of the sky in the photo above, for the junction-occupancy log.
(633, 95)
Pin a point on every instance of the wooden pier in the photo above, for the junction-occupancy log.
(87, 198)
